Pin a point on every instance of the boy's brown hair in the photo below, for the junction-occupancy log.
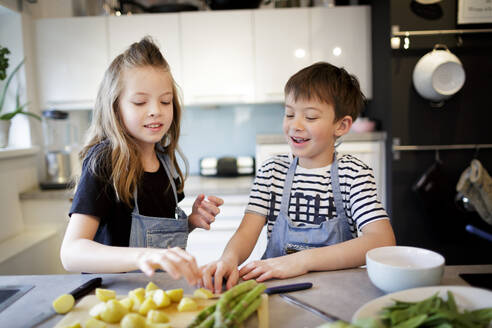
(328, 84)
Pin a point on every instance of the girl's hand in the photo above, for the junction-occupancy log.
(204, 211)
(219, 270)
(281, 267)
(175, 261)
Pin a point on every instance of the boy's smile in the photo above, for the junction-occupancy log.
(311, 131)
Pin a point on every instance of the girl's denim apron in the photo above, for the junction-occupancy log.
(287, 238)
(156, 232)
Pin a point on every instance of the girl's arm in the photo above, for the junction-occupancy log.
(80, 253)
(344, 255)
(236, 252)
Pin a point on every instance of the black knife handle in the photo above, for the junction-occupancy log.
(86, 288)
(288, 288)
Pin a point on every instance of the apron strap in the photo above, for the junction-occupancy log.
(335, 185)
(284, 205)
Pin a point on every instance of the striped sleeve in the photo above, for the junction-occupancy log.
(365, 206)
(259, 197)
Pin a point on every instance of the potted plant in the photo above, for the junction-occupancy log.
(5, 118)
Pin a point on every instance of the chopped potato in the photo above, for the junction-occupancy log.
(63, 303)
(203, 293)
(113, 312)
(138, 293)
(133, 320)
(187, 304)
(105, 294)
(151, 286)
(157, 316)
(127, 302)
(137, 303)
(175, 294)
(96, 310)
(161, 299)
(94, 323)
(146, 306)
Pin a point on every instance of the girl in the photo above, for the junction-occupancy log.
(124, 215)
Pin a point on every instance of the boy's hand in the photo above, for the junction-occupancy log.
(204, 211)
(281, 267)
(175, 261)
(219, 270)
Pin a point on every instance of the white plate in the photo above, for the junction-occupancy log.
(469, 298)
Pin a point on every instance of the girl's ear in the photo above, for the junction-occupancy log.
(343, 126)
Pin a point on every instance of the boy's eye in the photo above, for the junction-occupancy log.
(311, 118)
(289, 115)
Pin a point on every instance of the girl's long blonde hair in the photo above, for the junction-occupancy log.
(119, 157)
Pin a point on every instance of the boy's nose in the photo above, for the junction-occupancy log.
(297, 125)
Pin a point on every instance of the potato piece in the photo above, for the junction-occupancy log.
(151, 286)
(96, 310)
(74, 325)
(158, 325)
(133, 320)
(203, 293)
(187, 304)
(161, 299)
(127, 302)
(157, 316)
(175, 294)
(63, 303)
(105, 294)
(138, 293)
(94, 323)
(150, 293)
(137, 303)
(146, 306)
(113, 312)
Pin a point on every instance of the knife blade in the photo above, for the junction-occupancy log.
(288, 288)
(310, 308)
(77, 293)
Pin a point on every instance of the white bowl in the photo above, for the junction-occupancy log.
(394, 268)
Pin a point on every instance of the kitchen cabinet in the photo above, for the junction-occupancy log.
(281, 49)
(217, 57)
(163, 28)
(71, 56)
(348, 47)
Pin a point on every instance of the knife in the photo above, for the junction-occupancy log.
(77, 293)
(288, 288)
(310, 308)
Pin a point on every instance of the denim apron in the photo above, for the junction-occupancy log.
(157, 232)
(287, 238)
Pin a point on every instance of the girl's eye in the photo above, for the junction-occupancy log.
(139, 103)
(165, 102)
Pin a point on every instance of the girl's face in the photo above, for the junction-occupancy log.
(311, 130)
(146, 104)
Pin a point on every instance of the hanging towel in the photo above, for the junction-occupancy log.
(474, 194)
(482, 182)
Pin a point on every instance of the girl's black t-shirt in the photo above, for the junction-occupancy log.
(95, 196)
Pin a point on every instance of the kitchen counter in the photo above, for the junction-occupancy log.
(194, 185)
(349, 137)
(340, 293)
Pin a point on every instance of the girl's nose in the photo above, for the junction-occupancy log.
(154, 109)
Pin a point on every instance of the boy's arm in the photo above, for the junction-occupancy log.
(344, 255)
(236, 252)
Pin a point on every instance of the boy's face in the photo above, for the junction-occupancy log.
(311, 131)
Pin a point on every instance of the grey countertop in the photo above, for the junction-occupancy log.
(194, 185)
(340, 293)
(262, 139)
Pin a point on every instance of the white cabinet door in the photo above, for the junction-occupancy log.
(342, 37)
(163, 28)
(281, 49)
(71, 58)
(217, 57)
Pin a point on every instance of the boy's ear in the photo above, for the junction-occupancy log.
(343, 126)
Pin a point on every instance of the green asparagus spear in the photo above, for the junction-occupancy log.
(225, 299)
(209, 321)
(202, 316)
(234, 315)
(249, 310)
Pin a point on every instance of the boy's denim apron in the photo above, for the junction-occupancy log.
(156, 232)
(287, 238)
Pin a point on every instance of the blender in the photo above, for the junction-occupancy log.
(58, 137)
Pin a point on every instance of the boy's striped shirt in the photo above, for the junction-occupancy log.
(311, 200)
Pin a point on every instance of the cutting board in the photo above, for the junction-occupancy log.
(80, 312)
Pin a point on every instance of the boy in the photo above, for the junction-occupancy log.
(312, 201)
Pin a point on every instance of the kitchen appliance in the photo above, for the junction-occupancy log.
(227, 166)
(58, 139)
(438, 75)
